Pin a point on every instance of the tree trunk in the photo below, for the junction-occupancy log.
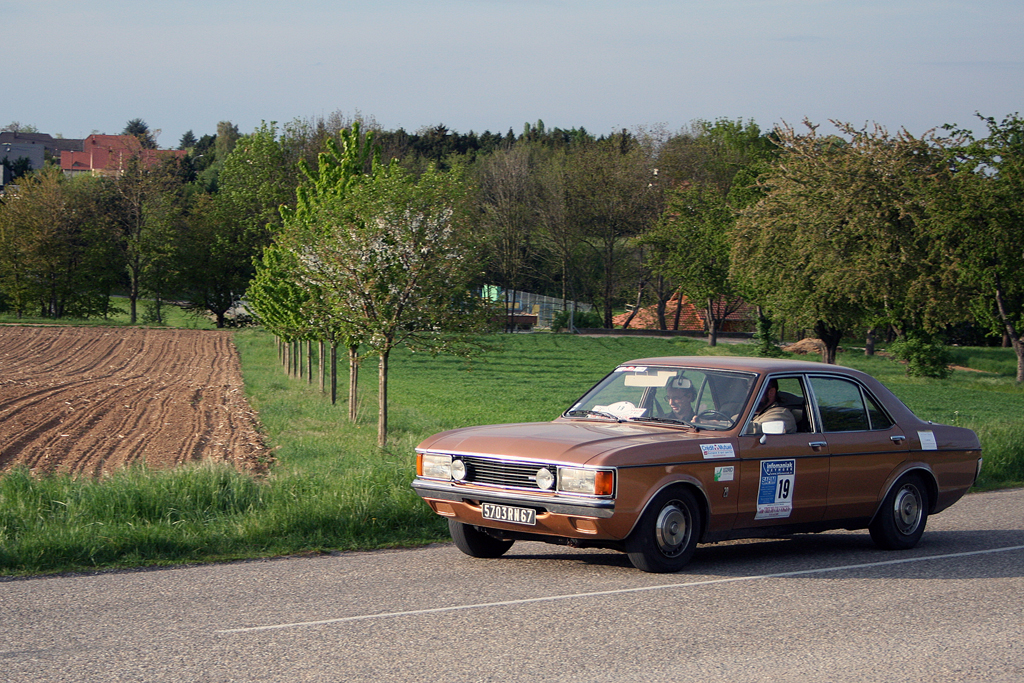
(133, 296)
(712, 325)
(679, 311)
(869, 342)
(334, 373)
(830, 337)
(1011, 332)
(323, 364)
(382, 399)
(636, 306)
(309, 361)
(353, 382)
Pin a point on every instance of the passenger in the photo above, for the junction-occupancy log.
(770, 410)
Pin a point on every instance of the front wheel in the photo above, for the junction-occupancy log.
(476, 543)
(666, 536)
(903, 515)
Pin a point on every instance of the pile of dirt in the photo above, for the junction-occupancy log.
(88, 400)
(806, 345)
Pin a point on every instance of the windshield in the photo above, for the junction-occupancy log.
(696, 397)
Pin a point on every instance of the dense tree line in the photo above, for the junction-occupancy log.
(854, 232)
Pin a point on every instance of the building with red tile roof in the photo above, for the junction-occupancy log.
(691, 318)
(109, 154)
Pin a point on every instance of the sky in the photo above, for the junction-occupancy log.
(75, 67)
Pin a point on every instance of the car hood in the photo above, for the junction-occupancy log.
(574, 442)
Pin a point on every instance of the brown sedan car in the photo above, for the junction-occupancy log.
(664, 453)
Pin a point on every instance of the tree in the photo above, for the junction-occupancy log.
(298, 311)
(18, 127)
(842, 233)
(188, 140)
(509, 197)
(394, 258)
(231, 228)
(16, 168)
(983, 227)
(138, 129)
(611, 196)
(56, 251)
(711, 166)
(144, 216)
(691, 245)
(226, 139)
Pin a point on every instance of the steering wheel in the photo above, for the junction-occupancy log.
(712, 415)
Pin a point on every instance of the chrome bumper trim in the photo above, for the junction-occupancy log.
(560, 505)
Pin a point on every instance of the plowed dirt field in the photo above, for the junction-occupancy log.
(87, 400)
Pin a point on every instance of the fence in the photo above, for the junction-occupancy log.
(527, 303)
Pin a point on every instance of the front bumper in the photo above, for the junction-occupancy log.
(601, 508)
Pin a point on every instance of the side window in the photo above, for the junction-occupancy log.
(879, 420)
(790, 396)
(841, 405)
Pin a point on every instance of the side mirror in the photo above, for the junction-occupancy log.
(773, 427)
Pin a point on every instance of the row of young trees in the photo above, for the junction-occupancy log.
(840, 233)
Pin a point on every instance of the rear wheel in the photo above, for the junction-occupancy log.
(903, 515)
(665, 538)
(476, 543)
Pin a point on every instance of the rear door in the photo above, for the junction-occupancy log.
(864, 442)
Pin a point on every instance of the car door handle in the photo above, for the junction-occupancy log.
(817, 444)
(898, 439)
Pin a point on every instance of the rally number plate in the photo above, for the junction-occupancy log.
(505, 513)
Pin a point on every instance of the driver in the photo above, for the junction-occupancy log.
(680, 396)
(771, 410)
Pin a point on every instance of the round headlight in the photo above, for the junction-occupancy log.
(545, 478)
(459, 470)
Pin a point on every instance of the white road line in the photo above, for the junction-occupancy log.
(621, 591)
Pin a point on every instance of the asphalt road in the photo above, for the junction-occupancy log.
(828, 607)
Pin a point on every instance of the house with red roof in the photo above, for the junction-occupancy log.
(691, 318)
(109, 154)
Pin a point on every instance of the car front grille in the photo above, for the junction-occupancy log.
(491, 472)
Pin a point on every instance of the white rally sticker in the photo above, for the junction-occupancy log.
(714, 451)
(927, 440)
(775, 495)
(725, 473)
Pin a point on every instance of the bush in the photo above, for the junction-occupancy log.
(925, 356)
(586, 319)
(764, 338)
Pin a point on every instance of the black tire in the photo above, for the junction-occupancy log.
(476, 543)
(666, 535)
(900, 521)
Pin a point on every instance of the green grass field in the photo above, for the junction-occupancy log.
(333, 489)
(172, 316)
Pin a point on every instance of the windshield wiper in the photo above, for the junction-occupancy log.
(595, 413)
(666, 420)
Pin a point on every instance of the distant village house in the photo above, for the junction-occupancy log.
(109, 154)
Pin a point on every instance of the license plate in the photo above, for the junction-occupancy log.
(505, 513)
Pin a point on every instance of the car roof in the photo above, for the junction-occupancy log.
(744, 363)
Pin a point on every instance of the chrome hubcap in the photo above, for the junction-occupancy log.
(672, 530)
(907, 510)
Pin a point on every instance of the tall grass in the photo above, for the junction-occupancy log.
(331, 488)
